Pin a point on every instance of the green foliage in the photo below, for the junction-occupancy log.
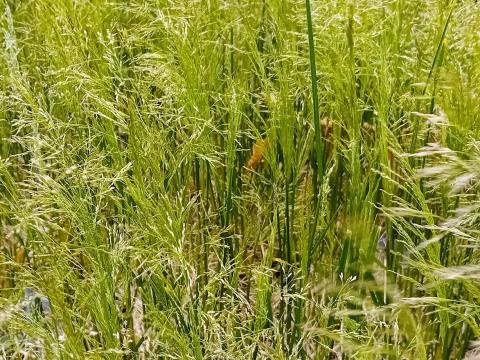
(256, 179)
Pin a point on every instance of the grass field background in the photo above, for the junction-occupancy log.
(239, 179)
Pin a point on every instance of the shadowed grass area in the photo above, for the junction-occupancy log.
(255, 179)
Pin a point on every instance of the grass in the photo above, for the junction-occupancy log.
(239, 179)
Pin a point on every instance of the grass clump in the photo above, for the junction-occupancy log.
(239, 180)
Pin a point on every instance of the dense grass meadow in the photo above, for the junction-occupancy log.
(240, 179)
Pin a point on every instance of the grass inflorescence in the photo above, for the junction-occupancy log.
(256, 179)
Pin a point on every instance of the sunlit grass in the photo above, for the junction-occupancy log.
(255, 179)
